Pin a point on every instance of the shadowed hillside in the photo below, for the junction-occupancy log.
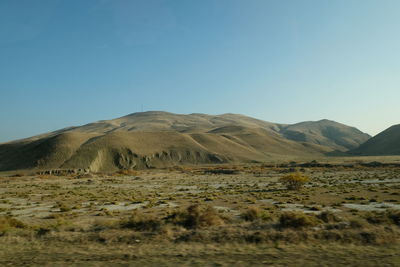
(385, 143)
(326, 133)
(161, 139)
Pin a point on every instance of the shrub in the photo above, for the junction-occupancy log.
(7, 223)
(297, 220)
(328, 216)
(141, 222)
(294, 181)
(394, 216)
(196, 216)
(64, 207)
(387, 217)
(254, 213)
(41, 231)
(377, 218)
(357, 223)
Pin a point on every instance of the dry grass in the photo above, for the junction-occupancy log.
(328, 217)
(8, 223)
(297, 220)
(185, 207)
(142, 222)
(126, 172)
(255, 213)
(388, 217)
(196, 216)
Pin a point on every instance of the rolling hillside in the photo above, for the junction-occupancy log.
(327, 133)
(161, 139)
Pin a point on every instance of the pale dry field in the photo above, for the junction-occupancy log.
(203, 216)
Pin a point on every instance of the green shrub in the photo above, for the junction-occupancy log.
(294, 181)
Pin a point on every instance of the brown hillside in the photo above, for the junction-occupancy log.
(160, 139)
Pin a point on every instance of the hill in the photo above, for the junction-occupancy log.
(327, 133)
(385, 143)
(161, 139)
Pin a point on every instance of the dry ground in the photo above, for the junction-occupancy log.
(239, 215)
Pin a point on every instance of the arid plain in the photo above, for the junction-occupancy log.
(348, 213)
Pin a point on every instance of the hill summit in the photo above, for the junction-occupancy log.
(162, 139)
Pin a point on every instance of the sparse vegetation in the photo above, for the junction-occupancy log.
(127, 172)
(168, 207)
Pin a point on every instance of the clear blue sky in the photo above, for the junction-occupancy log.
(70, 62)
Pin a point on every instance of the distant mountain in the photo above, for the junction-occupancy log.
(326, 133)
(385, 143)
(161, 139)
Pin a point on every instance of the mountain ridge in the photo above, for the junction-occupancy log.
(160, 139)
